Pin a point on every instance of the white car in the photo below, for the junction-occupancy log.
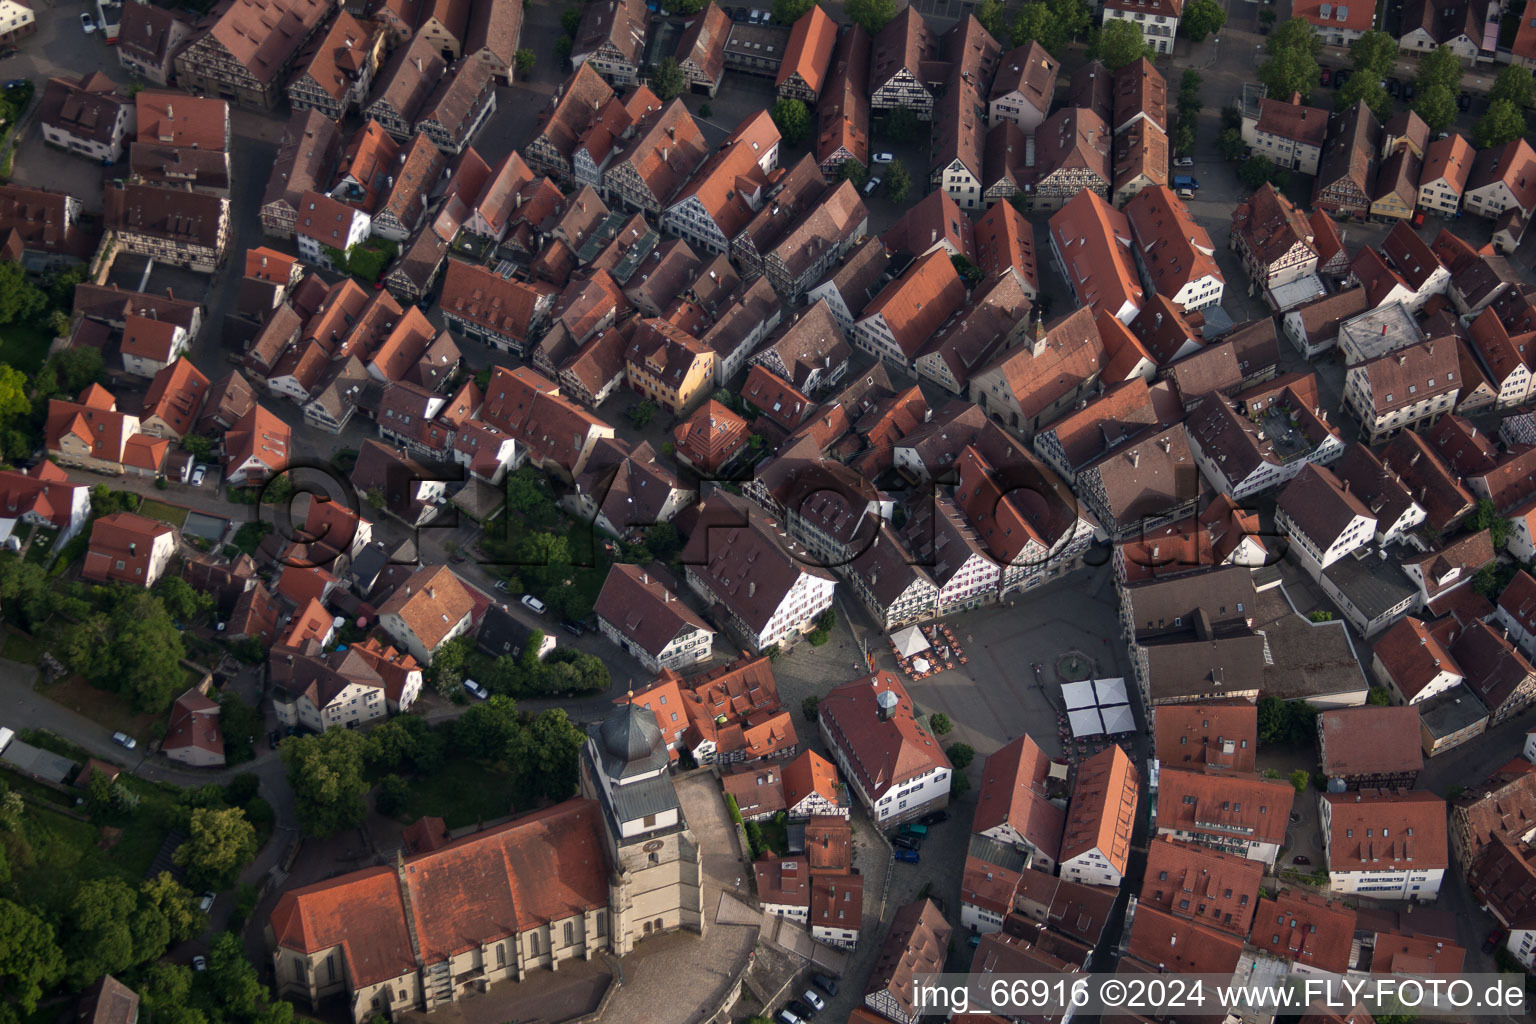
(501, 585)
(476, 690)
(88, 23)
(198, 473)
(884, 158)
(871, 185)
(813, 1000)
(205, 902)
(786, 1017)
(199, 963)
(1184, 161)
(533, 604)
(124, 739)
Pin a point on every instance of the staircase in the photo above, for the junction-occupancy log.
(437, 983)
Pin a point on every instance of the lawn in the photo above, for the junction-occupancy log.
(22, 647)
(173, 514)
(42, 545)
(24, 346)
(67, 851)
(109, 710)
(462, 792)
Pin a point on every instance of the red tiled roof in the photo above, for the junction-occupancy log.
(1192, 881)
(1224, 800)
(1387, 830)
(1162, 941)
(809, 52)
(1196, 735)
(1306, 929)
(884, 753)
(1013, 792)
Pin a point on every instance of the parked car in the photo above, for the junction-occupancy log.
(1185, 181)
(205, 902)
(905, 842)
(787, 1016)
(1491, 943)
(501, 585)
(1186, 193)
(1408, 90)
(914, 830)
(1301, 859)
(932, 818)
(1184, 161)
(476, 690)
(884, 158)
(1393, 87)
(800, 1009)
(738, 13)
(1327, 76)
(871, 185)
(755, 17)
(198, 473)
(816, 1002)
(6, 53)
(124, 739)
(533, 604)
(87, 23)
(1341, 76)
(1464, 102)
(6, 735)
(199, 962)
(910, 856)
(825, 982)
(573, 627)
(273, 738)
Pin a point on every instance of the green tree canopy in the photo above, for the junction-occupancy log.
(1291, 70)
(326, 773)
(1255, 171)
(1440, 67)
(793, 120)
(1514, 84)
(526, 60)
(871, 15)
(1437, 106)
(990, 14)
(20, 299)
(787, 12)
(939, 723)
(181, 600)
(1374, 53)
(1368, 89)
(30, 960)
(101, 918)
(687, 7)
(668, 82)
(1297, 34)
(13, 394)
(1033, 23)
(1201, 18)
(898, 182)
(902, 125)
(219, 844)
(1504, 122)
(1120, 43)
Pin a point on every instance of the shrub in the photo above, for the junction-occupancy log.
(960, 754)
(808, 707)
(939, 723)
(818, 637)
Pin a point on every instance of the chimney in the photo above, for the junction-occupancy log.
(752, 589)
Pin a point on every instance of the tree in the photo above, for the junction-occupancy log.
(100, 930)
(241, 724)
(1071, 19)
(1514, 84)
(526, 60)
(1374, 53)
(1504, 122)
(1296, 34)
(1368, 89)
(13, 394)
(1184, 137)
(642, 414)
(181, 600)
(1033, 24)
(959, 784)
(1437, 106)
(902, 124)
(827, 619)
(570, 21)
(968, 271)
(1292, 70)
(1378, 696)
(960, 754)
(687, 7)
(69, 371)
(898, 182)
(556, 743)
(20, 299)
(668, 83)
(25, 590)
(1201, 18)
(219, 844)
(793, 120)
(1230, 144)
(326, 773)
(808, 707)
(939, 723)
(563, 47)
(852, 170)
(1320, 615)
(990, 14)
(30, 959)
(818, 637)
(872, 15)
(231, 980)
(394, 795)
(1271, 719)
(1120, 43)
(1440, 67)
(1299, 779)
(174, 903)
(483, 731)
(1190, 84)
(1255, 171)
(787, 12)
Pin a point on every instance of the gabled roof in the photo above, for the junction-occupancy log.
(809, 52)
(1012, 792)
(1198, 883)
(1216, 734)
(916, 304)
(1103, 809)
(1306, 929)
(430, 603)
(1094, 241)
(1219, 802)
(884, 753)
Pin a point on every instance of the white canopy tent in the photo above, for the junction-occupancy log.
(909, 641)
(1078, 695)
(1118, 719)
(1085, 722)
(1110, 691)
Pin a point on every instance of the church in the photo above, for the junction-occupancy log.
(598, 872)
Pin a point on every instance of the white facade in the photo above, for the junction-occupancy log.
(142, 366)
(1252, 849)
(313, 249)
(353, 706)
(980, 920)
(1158, 29)
(1091, 867)
(1391, 883)
(1317, 554)
(396, 627)
(1447, 677)
(1264, 476)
